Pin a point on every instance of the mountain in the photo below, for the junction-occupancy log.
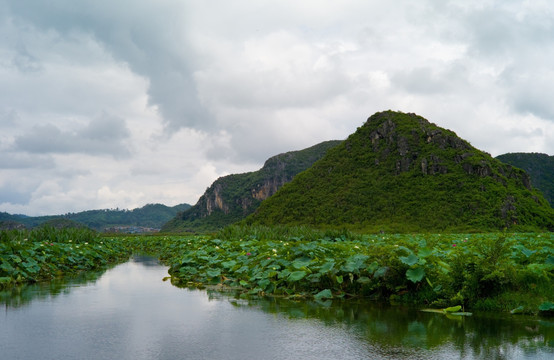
(231, 198)
(540, 168)
(400, 173)
(148, 216)
(61, 223)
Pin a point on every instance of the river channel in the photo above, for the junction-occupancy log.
(128, 312)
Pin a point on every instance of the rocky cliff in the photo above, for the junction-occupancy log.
(233, 197)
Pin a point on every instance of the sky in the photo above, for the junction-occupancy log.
(116, 104)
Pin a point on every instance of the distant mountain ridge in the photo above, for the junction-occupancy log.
(150, 216)
(231, 198)
(540, 168)
(399, 172)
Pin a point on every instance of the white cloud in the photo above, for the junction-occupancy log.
(105, 134)
(277, 71)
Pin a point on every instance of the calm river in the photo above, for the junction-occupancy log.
(130, 313)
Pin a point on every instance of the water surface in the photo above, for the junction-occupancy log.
(130, 313)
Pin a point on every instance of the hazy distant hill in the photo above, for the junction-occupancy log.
(399, 172)
(231, 198)
(540, 168)
(151, 215)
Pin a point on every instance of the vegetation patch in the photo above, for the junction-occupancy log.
(511, 272)
(495, 271)
(540, 168)
(46, 253)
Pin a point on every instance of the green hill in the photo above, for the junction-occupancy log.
(149, 216)
(398, 172)
(61, 223)
(231, 198)
(540, 168)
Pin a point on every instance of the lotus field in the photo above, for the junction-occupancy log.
(475, 271)
(494, 271)
(47, 253)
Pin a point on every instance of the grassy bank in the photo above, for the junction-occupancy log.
(496, 271)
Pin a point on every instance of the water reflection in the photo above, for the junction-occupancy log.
(130, 313)
(21, 295)
(145, 260)
(396, 328)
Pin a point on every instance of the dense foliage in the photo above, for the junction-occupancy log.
(231, 198)
(45, 253)
(495, 271)
(539, 166)
(151, 215)
(400, 173)
(477, 271)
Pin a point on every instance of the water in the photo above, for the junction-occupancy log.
(130, 313)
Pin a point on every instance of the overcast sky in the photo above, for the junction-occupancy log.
(107, 104)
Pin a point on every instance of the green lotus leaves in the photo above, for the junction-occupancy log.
(380, 272)
(480, 271)
(301, 262)
(212, 273)
(415, 275)
(453, 309)
(228, 264)
(44, 253)
(296, 275)
(425, 252)
(355, 263)
(409, 260)
(546, 306)
(264, 283)
(324, 294)
(327, 267)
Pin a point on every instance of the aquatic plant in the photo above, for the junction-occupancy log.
(45, 253)
(482, 271)
(493, 271)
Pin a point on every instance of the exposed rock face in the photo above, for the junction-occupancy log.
(215, 200)
(231, 198)
(433, 166)
(268, 188)
(406, 147)
(275, 173)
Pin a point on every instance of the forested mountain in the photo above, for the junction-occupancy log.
(540, 168)
(149, 216)
(399, 172)
(231, 198)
